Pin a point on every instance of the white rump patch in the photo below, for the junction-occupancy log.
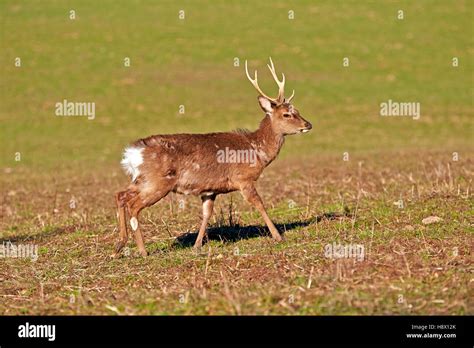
(132, 159)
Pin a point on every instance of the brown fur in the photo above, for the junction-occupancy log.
(187, 164)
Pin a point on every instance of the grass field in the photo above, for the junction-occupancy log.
(59, 174)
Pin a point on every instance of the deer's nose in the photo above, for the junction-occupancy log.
(308, 125)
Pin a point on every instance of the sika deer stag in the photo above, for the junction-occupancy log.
(206, 164)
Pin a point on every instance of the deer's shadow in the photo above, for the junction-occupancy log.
(231, 234)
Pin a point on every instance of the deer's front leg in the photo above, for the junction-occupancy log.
(207, 207)
(251, 195)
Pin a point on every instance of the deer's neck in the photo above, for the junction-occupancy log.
(268, 141)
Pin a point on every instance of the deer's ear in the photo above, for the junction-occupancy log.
(265, 104)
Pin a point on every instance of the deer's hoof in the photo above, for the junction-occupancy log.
(119, 246)
(279, 239)
(198, 249)
(115, 255)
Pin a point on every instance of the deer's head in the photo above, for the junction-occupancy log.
(285, 118)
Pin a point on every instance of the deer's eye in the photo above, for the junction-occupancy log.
(286, 115)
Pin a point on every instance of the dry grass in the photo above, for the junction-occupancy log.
(408, 268)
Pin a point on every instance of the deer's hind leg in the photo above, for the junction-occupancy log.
(121, 199)
(135, 205)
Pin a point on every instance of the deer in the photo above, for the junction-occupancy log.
(206, 165)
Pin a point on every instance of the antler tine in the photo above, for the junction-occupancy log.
(254, 82)
(292, 95)
(281, 84)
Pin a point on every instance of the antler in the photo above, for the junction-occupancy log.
(254, 82)
(281, 84)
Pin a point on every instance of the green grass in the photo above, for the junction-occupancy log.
(190, 62)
